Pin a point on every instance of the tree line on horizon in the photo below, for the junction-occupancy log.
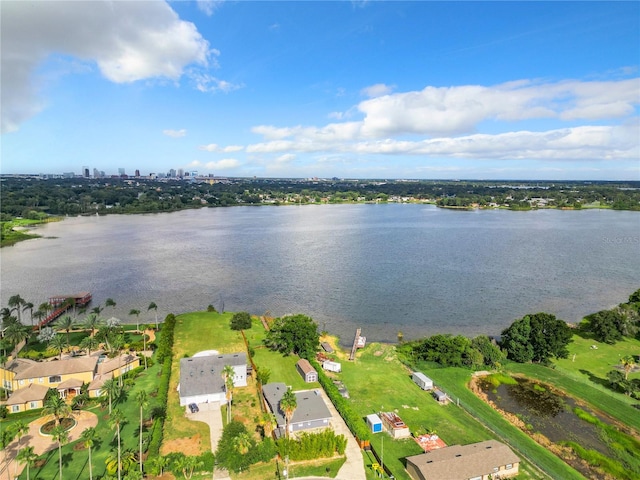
(34, 198)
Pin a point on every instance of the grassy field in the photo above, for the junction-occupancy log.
(389, 387)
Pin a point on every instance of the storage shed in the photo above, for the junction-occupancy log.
(424, 382)
(440, 396)
(374, 423)
(332, 366)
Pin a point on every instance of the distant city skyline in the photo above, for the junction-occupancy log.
(347, 89)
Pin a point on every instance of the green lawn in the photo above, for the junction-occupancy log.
(283, 369)
(598, 361)
(75, 462)
(377, 381)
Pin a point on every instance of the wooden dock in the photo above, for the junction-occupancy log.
(62, 303)
(355, 345)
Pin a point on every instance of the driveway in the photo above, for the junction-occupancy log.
(353, 468)
(43, 443)
(211, 414)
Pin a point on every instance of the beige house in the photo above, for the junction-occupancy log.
(477, 461)
(29, 380)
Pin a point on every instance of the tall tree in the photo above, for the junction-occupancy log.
(56, 406)
(65, 324)
(21, 428)
(116, 420)
(28, 306)
(111, 388)
(58, 344)
(627, 362)
(142, 399)
(92, 322)
(89, 343)
(228, 373)
(28, 457)
(109, 302)
(288, 405)
(538, 338)
(294, 334)
(60, 435)
(89, 437)
(15, 304)
(136, 312)
(16, 333)
(153, 306)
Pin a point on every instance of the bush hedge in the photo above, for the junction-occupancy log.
(351, 417)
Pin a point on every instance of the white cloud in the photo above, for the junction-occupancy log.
(447, 120)
(286, 158)
(377, 90)
(212, 147)
(175, 133)
(128, 41)
(224, 164)
(209, 6)
(208, 83)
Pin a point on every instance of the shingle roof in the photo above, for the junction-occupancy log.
(58, 367)
(31, 393)
(310, 405)
(203, 375)
(304, 365)
(111, 364)
(459, 462)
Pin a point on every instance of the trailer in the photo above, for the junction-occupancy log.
(332, 366)
(420, 379)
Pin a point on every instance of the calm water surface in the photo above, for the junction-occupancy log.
(415, 268)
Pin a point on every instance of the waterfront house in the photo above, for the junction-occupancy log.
(311, 411)
(201, 379)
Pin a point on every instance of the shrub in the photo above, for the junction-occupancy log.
(241, 321)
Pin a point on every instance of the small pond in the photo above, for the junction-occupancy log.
(547, 412)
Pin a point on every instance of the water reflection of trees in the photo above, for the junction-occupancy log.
(538, 400)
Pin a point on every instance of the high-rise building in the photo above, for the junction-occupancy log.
(121, 172)
(96, 173)
(137, 172)
(172, 173)
(85, 172)
(180, 172)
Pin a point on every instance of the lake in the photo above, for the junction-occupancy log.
(389, 267)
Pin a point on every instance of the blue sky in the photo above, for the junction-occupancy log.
(363, 89)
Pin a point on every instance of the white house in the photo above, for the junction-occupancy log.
(201, 379)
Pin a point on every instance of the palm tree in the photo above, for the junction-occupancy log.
(89, 343)
(97, 310)
(58, 344)
(116, 420)
(28, 457)
(16, 333)
(126, 460)
(89, 437)
(39, 315)
(65, 323)
(288, 405)
(92, 322)
(158, 464)
(153, 306)
(144, 343)
(60, 435)
(15, 303)
(56, 406)
(136, 312)
(28, 306)
(242, 443)
(142, 399)
(111, 388)
(20, 427)
(267, 420)
(628, 362)
(228, 373)
(109, 302)
(188, 465)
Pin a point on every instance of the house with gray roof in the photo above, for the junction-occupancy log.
(477, 461)
(311, 411)
(201, 379)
